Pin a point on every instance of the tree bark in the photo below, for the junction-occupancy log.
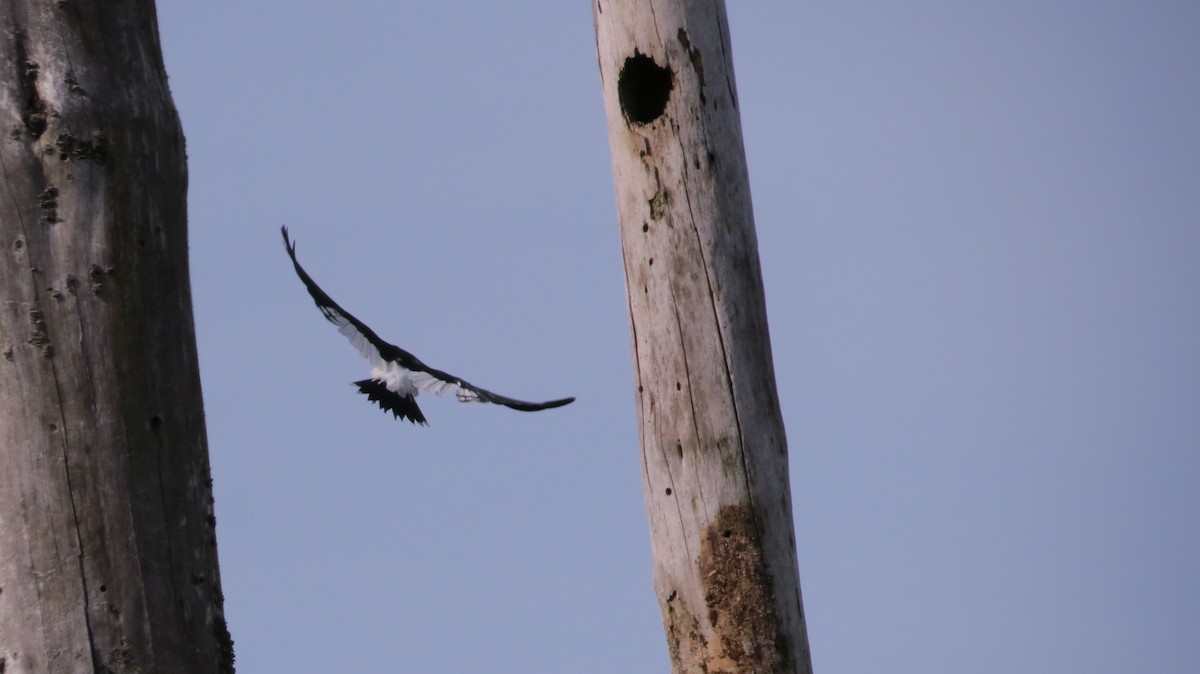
(108, 558)
(713, 447)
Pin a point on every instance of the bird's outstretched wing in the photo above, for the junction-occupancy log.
(384, 355)
(362, 337)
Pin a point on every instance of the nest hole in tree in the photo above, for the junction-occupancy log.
(643, 88)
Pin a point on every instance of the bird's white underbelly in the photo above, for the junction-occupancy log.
(396, 378)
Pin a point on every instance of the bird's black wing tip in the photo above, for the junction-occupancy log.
(522, 406)
(287, 241)
(558, 403)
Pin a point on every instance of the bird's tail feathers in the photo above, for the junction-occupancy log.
(403, 406)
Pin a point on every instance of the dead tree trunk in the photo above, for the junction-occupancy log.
(713, 446)
(108, 559)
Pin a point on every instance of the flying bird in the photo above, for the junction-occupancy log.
(397, 376)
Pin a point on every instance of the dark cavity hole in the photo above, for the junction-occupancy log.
(727, 533)
(643, 88)
(668, 491)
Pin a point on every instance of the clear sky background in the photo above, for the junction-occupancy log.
(980, 235)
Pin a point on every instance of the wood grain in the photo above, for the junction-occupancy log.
(107, 537)
(712, 438)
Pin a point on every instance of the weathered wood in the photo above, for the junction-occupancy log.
(713, 446)
(108, 556)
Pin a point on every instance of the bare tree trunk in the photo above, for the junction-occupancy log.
(713, 445)
(108, 558)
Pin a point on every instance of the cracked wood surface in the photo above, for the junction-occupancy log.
(107, 537)
(714, 453)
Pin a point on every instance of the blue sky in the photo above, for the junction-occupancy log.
(980, 235)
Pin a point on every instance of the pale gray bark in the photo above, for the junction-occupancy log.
(712, 437)
(108, 556)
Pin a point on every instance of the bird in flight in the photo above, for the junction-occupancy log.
(397, 376)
